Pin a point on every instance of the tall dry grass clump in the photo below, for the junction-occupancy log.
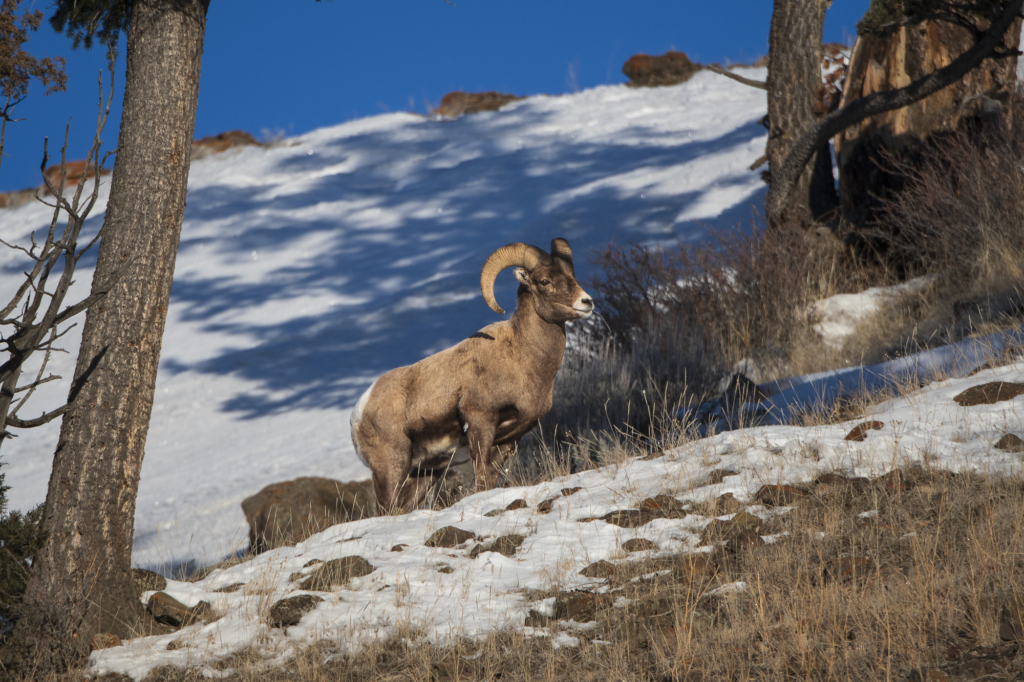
(960, 215)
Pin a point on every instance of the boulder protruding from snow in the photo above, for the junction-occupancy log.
(671, 68)
(289, 512)
(458, 103)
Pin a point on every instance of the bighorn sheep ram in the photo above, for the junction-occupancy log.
(483, 394)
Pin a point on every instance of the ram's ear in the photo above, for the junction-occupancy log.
(523, 276)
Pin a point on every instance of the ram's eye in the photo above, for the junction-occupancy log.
(545, 282)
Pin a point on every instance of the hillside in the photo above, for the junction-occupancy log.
(309, 268)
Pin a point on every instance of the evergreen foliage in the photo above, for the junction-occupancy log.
(21, 536)
(18, 67)
(87, 20)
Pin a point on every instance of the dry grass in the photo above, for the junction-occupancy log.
(916, 571)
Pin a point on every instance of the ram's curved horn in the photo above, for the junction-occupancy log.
(560, 248)
(513, 255)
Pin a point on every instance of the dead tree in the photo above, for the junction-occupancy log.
(988, 42)
(31, 321)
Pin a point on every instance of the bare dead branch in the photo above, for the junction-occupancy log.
(715, 68)
(28, 387)
(38, 421)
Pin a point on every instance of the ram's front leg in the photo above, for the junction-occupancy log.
(480, 433)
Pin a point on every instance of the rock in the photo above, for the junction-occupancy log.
(399, 547)
(148, 580)
(104, 640)
(745, 539)
(76, 170)
(215, 144)
(446, 569)
(989, 394)
(516, 504)
(780, 495)
(895, 480)
(566, 492)
(716, 476)
(670, 68)
(849, 568)
(337, 572)
(290, 611)
(719, 530)
(860, 431)
(506, 545)
(494, 512)
(545, 506)
(695, 566)
(1010, 443)
(580, 605)
(599, 569)
(662, 503)
(289, 512)
(167, 610)
(727, 504)
(449, 536)
(639, 545)
(536, 619)
(233, 587)
(458, 103)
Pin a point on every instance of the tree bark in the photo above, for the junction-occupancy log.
(803, 149)
(82, 582)
(794, 77)
(883, 63)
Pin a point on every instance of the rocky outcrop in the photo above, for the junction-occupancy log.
(889, 61)
(289, 512)
(671, 68)
(458, 103)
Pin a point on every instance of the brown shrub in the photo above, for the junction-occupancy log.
(670, 68)
(458, 103)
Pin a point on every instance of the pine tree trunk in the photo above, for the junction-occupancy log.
(794, 76)
(81, 582)
(882, 63)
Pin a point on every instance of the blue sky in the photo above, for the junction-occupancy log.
(272, 66)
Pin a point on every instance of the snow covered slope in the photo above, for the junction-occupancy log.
(450, 595)
(309, 268)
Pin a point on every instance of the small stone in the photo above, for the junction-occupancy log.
(449, 536)
(566, 492)
(399, 547)
(599, 569)
(536, 619)
(639, 545)
(716, 475)
(337, 572)
(494, 512)
(780, 495)
(104, 640)
(516, 504)
(695, 566)
(545, 506)
(290, 611)
(727, 504)
(653, 455)
(744, 540)
(169, 611)
(580, 605)
(312, 562)
(506, 545)
(662, 503)
(1010, 443)
(148, 580)
(989, 394)
(446, 569)
(860, 431)
(233, 587)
